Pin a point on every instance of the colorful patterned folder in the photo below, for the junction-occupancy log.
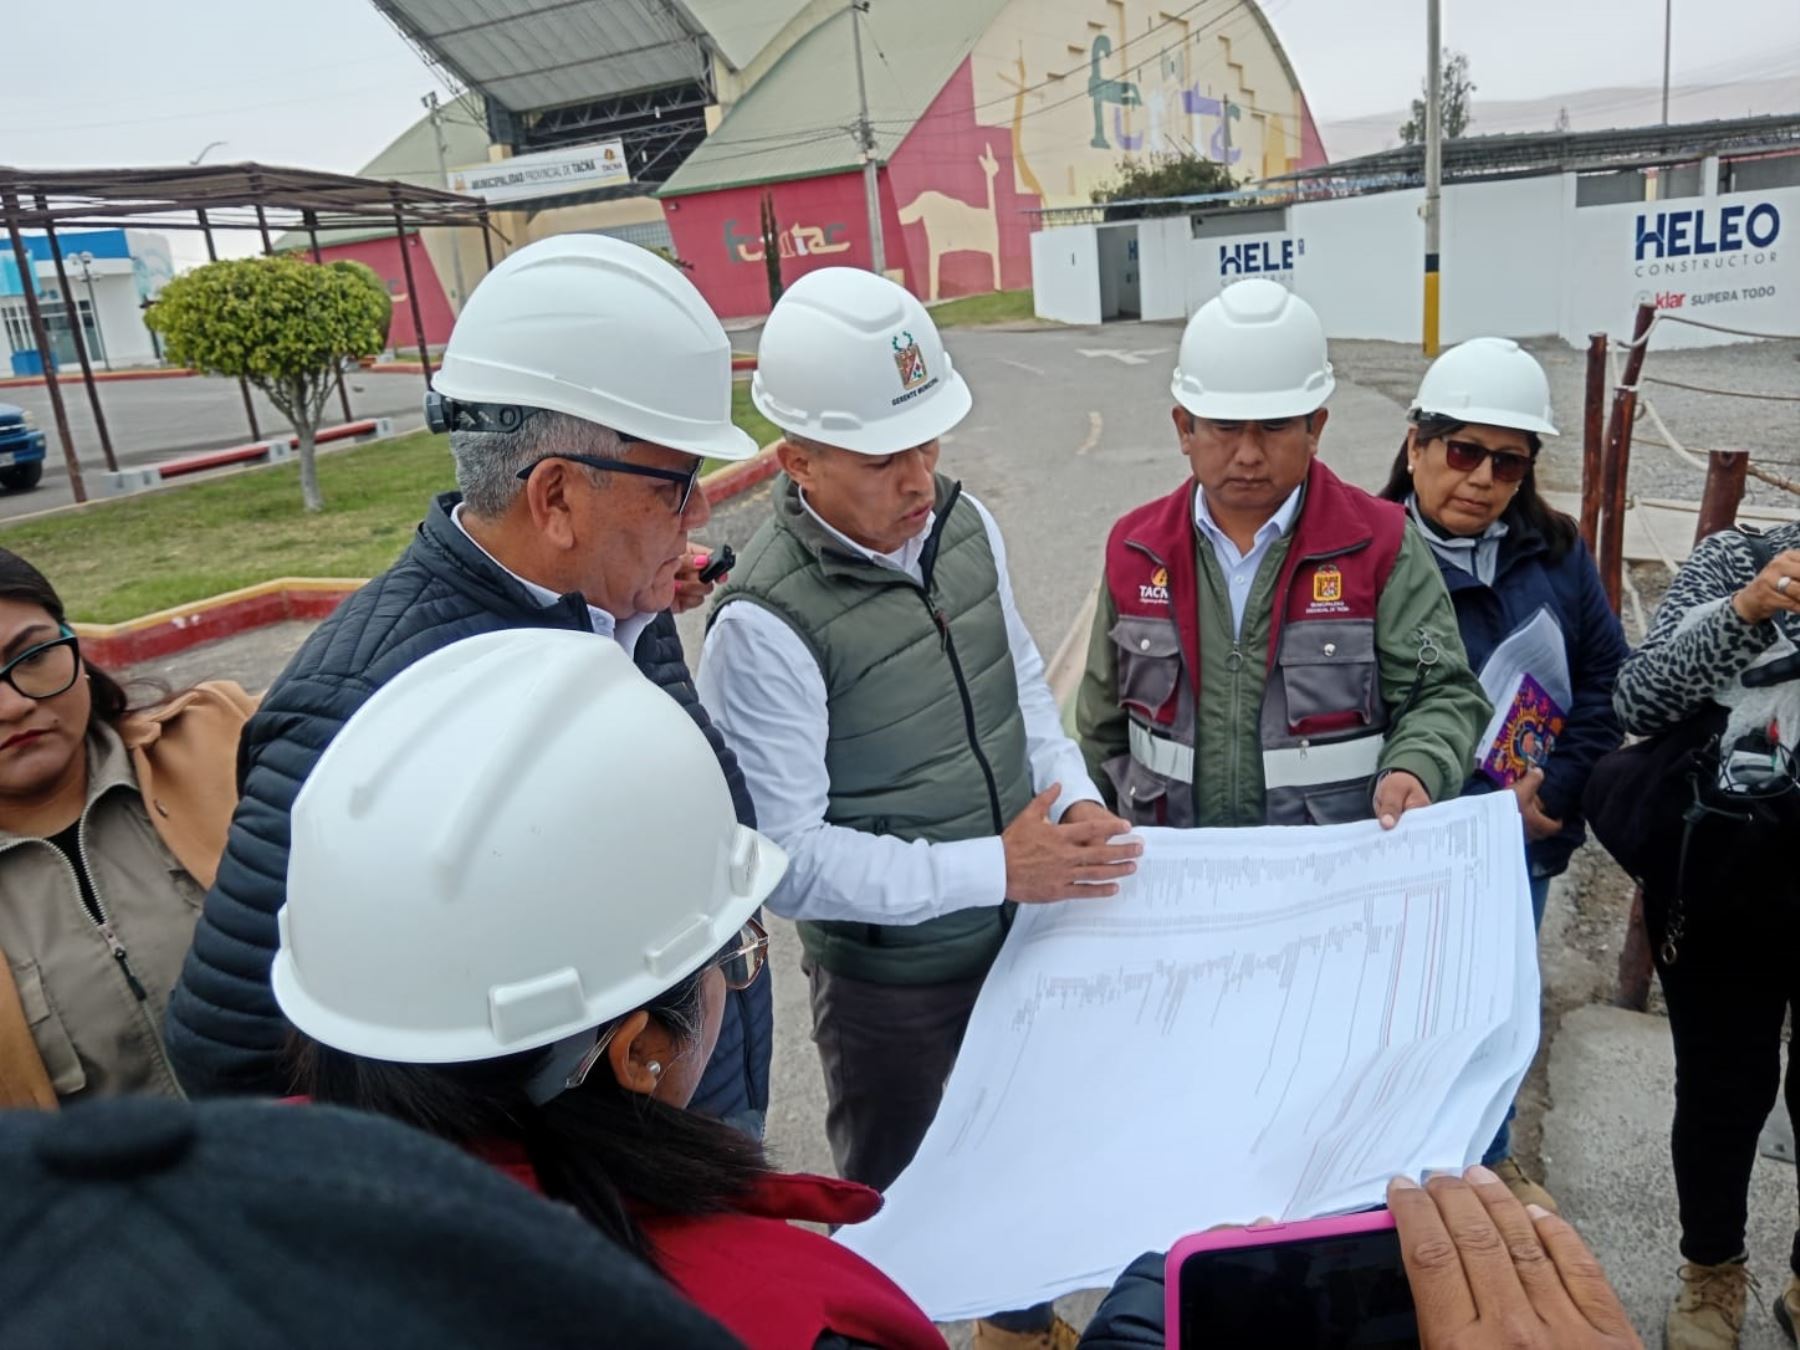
(1527, 736)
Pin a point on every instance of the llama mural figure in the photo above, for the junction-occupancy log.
(953, 226)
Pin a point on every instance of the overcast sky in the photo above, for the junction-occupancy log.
(327, 83)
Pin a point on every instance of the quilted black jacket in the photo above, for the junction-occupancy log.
(224, 1032)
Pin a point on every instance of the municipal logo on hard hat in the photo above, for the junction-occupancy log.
(910, 361)
(1328, 585)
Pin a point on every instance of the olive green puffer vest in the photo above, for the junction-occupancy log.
(926, 739)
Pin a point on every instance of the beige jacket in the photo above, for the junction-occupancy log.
(161, 790)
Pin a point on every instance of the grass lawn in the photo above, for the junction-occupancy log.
(136, 555)
(994, 307)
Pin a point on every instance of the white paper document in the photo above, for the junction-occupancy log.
(1535, 648)
(1265, 1021)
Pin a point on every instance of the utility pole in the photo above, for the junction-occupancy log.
(1434, 167)
(437, 130)
(865, 135)
(1668, 33)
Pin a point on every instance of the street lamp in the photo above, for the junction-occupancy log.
(84, 261)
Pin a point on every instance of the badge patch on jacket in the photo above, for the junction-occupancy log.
(1328, 591)
(1157, 592)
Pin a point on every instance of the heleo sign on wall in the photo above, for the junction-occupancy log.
(1692, 257)
(549, 173)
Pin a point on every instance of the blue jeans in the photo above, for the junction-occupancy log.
(1501, 1149)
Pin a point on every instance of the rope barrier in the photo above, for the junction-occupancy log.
(1722, 393)
(1662, 316)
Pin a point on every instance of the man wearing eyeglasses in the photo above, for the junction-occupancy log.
(1271, 645)
(584, 386)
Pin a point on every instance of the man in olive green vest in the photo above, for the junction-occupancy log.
(890, 715)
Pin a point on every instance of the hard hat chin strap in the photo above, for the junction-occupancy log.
(448, 414)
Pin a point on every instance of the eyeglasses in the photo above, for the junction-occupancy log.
(742, 961)
(1466, 457)
(46, 670)
(684, 478)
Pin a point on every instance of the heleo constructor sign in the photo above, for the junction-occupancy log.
(548, 173)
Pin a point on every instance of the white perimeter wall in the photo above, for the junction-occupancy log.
(1519, 259)
(1065, 274)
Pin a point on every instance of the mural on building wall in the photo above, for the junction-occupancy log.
(1081, 84)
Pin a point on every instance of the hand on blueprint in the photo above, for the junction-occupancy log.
(1397, 793)
(1539, 824)
(1487, 1273)
(1073, 860)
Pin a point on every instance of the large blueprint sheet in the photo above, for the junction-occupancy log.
(1266, 1021)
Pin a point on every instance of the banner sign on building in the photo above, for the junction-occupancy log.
(549, 173)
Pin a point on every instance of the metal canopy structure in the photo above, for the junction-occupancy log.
(1470, 158)
(548, 53)
(554, 73)
(258, 197)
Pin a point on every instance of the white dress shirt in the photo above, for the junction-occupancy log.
(1240, 568)
(625, 632)
(765, 692)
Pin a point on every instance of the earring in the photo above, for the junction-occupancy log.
(655, 1069)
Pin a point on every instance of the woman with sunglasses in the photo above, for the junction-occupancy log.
(517, 895)
(1466, 473)
(112, 821)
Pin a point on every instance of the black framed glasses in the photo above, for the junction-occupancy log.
(46, 670)
(683, 478)
(742, 961)
(1466, 457)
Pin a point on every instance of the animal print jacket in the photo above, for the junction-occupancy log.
(1697, 645)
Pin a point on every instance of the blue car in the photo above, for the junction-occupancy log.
(21, 450)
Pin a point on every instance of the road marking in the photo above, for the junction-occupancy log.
(1064, 672)
(1093, 436)
(1020, 365)
(1122, 355)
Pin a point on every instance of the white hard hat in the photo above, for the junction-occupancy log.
(1256, 350)
(1489, 380)
(516, 840)
(603, 330)
(850, 359)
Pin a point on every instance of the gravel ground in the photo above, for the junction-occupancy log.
(1769, 430)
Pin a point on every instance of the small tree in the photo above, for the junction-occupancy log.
(284, 325)
(1456, 111)
(1183, 175)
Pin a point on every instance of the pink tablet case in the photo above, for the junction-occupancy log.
(1270, 1235)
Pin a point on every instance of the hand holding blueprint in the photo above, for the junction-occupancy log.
(1265, 1021)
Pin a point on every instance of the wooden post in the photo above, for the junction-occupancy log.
(41, 335)
(1616, 459)
(73, 310)
(1636, 964)
(1593, 430)
(212, 255)
(1725, 474)
(312, 233)
(412, 291)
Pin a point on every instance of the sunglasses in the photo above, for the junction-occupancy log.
(46, 670)
(684, 479)
(1466, 457)
(741, 960)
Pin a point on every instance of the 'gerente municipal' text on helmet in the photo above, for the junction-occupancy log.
(518, 839)
(601, 330)
(1254, 352)
(853, 360)
(1488, 380)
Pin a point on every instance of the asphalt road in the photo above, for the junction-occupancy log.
(152, 420)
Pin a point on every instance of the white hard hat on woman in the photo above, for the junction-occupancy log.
(517, 840)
